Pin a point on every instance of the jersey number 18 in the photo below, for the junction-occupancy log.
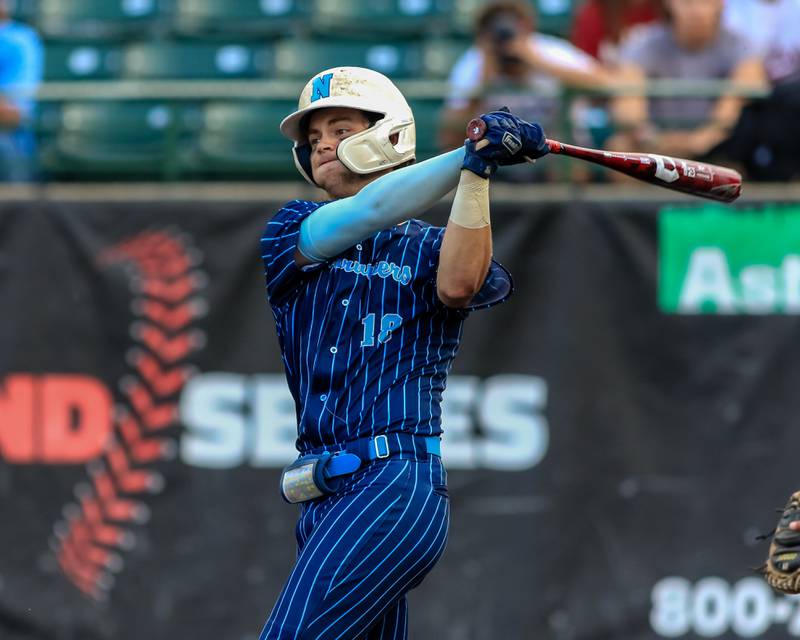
(389, 322)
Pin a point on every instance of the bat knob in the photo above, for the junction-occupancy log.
(475, 129)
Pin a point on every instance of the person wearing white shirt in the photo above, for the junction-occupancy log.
(512, 65)
(771, 29)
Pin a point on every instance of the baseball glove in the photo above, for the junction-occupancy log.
(782, 569)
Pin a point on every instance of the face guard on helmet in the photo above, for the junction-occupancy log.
(366, 90)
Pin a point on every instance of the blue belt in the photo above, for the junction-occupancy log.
(404, 445)
(306, 478)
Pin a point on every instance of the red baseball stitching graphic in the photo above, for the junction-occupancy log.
(99, 526)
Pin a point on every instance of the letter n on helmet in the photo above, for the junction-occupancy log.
(357, 88)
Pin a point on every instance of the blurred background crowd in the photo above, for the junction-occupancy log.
(194, 89)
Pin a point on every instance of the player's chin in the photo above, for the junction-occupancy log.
(331, 176)
(328, 170)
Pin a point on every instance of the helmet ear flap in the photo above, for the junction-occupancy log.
(302, 160)
(386, 144)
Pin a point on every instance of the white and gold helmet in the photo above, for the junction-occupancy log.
(366, 151)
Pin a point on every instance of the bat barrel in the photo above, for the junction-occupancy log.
(688, 176)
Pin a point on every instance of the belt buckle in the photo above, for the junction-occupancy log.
(381, 452)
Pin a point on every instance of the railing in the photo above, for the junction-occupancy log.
(284, 191)
(412, 89)
(179, 91)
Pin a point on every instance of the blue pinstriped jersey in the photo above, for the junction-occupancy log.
(365, 341)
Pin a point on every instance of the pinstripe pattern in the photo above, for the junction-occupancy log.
(360, 551)
(367, 346)
(323, 315)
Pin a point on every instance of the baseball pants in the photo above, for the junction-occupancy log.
(360, 550)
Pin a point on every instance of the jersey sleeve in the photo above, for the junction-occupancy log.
(737, 49)
(561, 53)
(497, 287)
(278, 245)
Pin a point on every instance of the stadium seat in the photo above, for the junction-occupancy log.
(195, 60)
(241, 139)
(113, 139)
(81, 61)
(23, 10)
(47, 119)
(385, 17)
(555, 16)
(464, 12)
(440, 55)
(426, 120)
(98, 18)
(297, 58)
(239, 18)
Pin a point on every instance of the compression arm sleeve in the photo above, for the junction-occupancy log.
(392, 198)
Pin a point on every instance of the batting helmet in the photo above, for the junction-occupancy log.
(357, 88)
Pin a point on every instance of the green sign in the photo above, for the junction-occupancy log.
(727, 261)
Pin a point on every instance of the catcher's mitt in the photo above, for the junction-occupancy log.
(782, 569)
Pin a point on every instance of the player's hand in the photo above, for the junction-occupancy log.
(507, 140)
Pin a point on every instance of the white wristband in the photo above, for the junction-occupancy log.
(471, 204)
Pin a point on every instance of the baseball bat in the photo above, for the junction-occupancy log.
(688, 176)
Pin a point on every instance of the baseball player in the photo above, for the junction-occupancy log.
(369, 305)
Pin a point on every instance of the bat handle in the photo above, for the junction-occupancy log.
(555, 145)
(476, 129)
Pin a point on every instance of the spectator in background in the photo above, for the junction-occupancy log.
(765, 144)
(21, 62)
(512, 65)
(690, 44)
(599, 26)
(771, 29)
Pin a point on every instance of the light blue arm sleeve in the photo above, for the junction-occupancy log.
(390, 199)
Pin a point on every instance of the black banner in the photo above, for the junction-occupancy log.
(610, 462)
